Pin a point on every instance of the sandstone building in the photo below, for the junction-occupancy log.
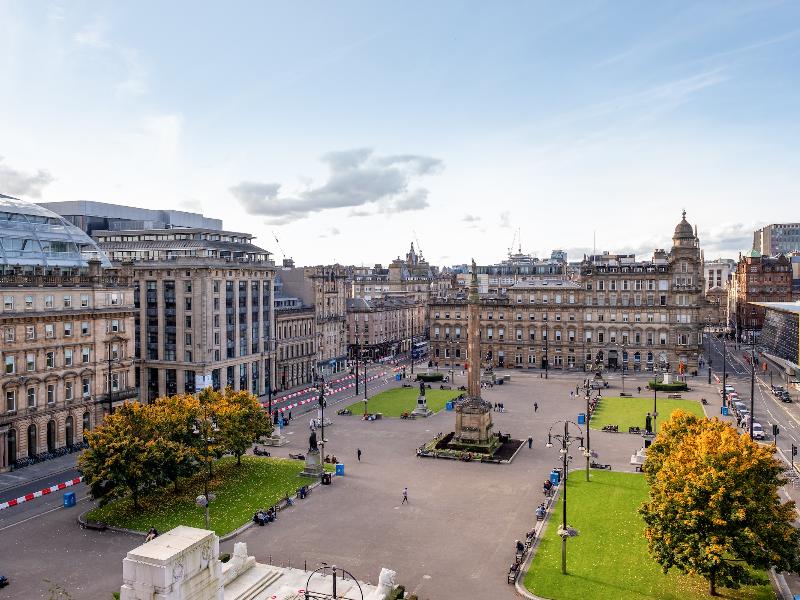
(67, 330)
(619, 312)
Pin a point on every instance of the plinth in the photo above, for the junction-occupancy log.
(313, 466)
(422, 409)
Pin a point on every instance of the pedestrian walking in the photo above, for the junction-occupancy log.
(571, 394)
(530, 442)
(358, 452)
(405, 496)
(535, 406)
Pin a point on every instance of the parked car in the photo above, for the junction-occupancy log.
(758, 431)
(777, 389)
(785, 396)
(738, 407)
(728, 389)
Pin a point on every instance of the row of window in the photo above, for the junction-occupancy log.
(46, 302)
(67, 355)
(31, 393)
(589, 337)
(32, 332)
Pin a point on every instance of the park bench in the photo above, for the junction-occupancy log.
(297, 456)
(512, 574)
(634, 430)
(674, 396)
(95, 525)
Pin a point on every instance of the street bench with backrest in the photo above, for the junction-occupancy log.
(95, 525)
(674, 396)
(513, 572)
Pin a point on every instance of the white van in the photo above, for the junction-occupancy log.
(758, 431)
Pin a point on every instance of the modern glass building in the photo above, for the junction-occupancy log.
(32, 236)
(780, 336)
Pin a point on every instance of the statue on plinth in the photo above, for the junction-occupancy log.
(312, 442)
(648, 424)
(421, 388)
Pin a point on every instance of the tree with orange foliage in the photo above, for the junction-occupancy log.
(714, 508)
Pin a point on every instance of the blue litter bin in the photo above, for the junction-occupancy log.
(339, 469)
(69, 499)
(448, 406)
(554, 477)
(724, 411)
(581, 418)
(397, 377)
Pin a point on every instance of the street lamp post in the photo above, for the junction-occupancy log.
(655, 399)
(322, 411)
(357, 355)
(546, 355)
(566, 440)
(725, 372)
(752, 386)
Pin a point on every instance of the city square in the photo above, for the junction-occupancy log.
(399, 301)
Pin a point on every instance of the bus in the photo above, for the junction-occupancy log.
(418, 350)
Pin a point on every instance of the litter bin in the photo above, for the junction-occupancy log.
(448, 406)
(69, 499)
(554, 477)
(397, 376)
(326, 479)
(339, 469)
(581, 418)
(724, 410)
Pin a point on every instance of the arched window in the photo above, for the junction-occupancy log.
(31, 440)
(87, 425)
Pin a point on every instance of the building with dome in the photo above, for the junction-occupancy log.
(67, 330)
(620, 312)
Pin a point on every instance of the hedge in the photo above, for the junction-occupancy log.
(430, 377)
(678, 386)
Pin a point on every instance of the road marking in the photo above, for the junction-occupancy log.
(41, 514)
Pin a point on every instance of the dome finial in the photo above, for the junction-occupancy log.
(684, 214)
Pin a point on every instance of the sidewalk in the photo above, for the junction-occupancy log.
(38, 471)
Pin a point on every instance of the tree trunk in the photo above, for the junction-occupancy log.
(239, 459)
(712, 584)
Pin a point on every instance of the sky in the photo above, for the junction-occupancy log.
(344, 131)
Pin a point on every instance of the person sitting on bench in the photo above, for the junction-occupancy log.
(520, 547)
(540, 512)
(272, 514)
(302, 492)
(260, 517)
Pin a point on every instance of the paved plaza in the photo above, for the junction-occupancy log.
(453, 540)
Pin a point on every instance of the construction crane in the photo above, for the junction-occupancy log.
(283, 254)
(517, 238)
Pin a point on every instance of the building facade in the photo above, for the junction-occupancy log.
(759, 279)
(383, 327)
(67, 332)
(102, 216)
(325, 288)
(780, 337)
(204, 309)
(778, 238)
(296, 346)
(620, 313)
(718, 272)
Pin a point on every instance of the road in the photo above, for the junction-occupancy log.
(767, 409)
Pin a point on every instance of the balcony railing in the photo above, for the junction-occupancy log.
(39, 280)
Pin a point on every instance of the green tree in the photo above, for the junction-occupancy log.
(714, 507)
(241, 421)
(175, 421)
(122, 452)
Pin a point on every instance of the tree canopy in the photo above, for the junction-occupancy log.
(141, 446)
(714, 508)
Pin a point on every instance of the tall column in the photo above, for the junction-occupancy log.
(473, 333)
(3, 448)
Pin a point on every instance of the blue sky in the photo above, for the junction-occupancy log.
(351, 128)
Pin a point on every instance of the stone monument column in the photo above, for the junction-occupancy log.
(474, 337)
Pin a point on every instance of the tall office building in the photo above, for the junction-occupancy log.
(204, 308)
(778, 238)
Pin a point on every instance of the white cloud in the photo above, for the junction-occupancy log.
(95, 36)
(14, 182)
(357, 179)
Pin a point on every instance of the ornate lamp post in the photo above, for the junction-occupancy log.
(322, 412)
(588, 451)
(566, 439)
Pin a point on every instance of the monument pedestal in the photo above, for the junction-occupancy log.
(422, 409)
(276, 439)
(313, 465)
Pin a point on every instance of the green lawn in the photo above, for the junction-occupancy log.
(394, 402)
(609, 559)
(259, 483)
(630, 412)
